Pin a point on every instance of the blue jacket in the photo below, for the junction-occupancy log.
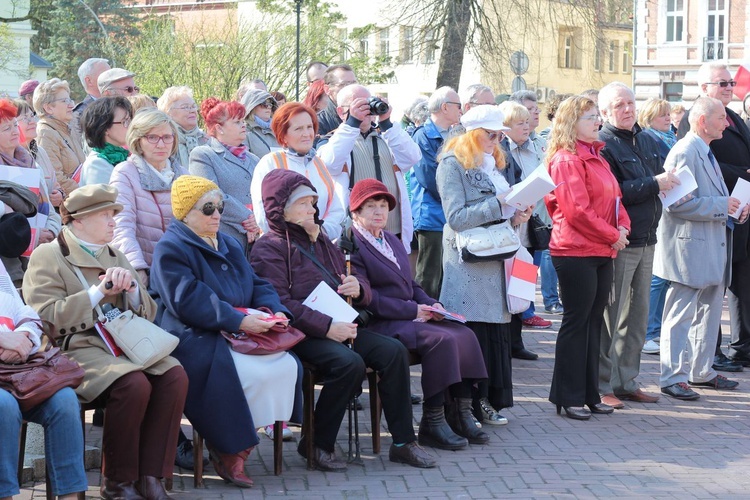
(196, 289)
(426, 206)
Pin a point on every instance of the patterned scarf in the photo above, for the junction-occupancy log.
(238, 151)
(113, 154)
(380, 244)
(669, 138)
(189, 140)
(21, 158)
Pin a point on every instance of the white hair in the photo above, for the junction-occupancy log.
(609, 91)
(523, 95)
(172, 94)
(344, 97)
(703, 106)
(470, 93)
(87, 68)
(704, 72)
(438, 98)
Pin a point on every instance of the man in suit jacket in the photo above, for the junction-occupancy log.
(732, 151)
(693, 252)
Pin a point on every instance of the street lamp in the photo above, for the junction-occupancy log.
(298, 6)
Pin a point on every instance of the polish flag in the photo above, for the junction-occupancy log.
(743, 81)
(523, 280)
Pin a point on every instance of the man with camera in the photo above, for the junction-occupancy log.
(367, 145)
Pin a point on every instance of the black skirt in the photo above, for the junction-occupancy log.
(494, 340)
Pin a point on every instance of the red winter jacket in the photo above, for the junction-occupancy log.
(584, 205)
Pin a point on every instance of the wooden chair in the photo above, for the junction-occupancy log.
(22, 456)
(278, 450)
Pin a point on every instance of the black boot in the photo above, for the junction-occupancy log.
(462, 422)
(435, 432)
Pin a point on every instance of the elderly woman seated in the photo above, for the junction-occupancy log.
(67, 282)
(450, 353)
(200, 277)
(20, 331)
(296, 256)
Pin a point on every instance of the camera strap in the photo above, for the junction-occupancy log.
(376, 159)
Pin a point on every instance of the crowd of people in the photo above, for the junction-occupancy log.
(201, 228)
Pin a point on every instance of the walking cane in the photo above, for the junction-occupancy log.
(347, 245)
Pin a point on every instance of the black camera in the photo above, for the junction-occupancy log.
(377, 106)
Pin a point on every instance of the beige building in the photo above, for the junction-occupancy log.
(18, 62)
(674, 37)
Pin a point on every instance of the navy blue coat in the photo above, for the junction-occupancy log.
(196, 289)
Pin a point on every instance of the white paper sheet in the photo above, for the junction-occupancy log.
(741, 191)
(325, 300)
(532, 189)
(687, 185)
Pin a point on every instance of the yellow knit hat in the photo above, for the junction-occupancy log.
(186, 191)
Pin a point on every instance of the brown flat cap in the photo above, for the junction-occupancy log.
(90, 199)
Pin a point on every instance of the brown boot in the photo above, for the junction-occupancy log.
(231, 468)
(112, 490)
(152, 488)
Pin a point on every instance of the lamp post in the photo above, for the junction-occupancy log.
(107, 41)
(298, 6)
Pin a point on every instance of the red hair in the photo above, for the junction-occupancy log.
(216, 112)
(8, 110)
(314, 94)
(283, 116)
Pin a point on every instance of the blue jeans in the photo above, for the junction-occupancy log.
(659, 287)
(548, 277)
(63, 442)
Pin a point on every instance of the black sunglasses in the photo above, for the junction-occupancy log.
(209, 208)
(723, 83)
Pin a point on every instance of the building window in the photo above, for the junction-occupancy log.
(385, 42)
(713, 44)
(626, 58)
(673, 91)
(429, 46)
(598, 54)
(407, 44)
(364, 46)
(569, 55)
(613, 53)
(675, 20)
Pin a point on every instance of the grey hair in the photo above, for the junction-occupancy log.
(45, 93)
(344, 97)
(438, 98)
(419, 113)
(608, 92)
(704, 72)
(471, 92)
(87, 68)
(172, 94)
(523, 95)
(413, 104)
(703, 106)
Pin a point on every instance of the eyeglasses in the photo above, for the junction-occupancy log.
(186, 107)
(267, 104)
(344, 84)
(67, 101)
(209, 208)
(28, 118)
(125, 123)
(127, 90)
(494, 135)
(723, 83)
(154, 139)
(10, 128)
(456, 103)
(592, 118)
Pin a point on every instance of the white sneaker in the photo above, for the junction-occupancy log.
(650, 347)
(286, 433)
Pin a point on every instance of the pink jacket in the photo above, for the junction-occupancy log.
(147, 209)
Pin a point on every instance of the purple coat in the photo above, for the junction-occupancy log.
(449, 351)
(294, 276)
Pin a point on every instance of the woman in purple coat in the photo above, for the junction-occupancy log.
(450, 353)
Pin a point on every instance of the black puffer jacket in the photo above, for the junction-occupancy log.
(634, 159)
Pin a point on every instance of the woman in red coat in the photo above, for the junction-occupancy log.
(589, 226)
(450, 353)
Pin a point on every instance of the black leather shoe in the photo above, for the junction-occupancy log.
(152, 488)
(435, 432)
(112, 490)
(724, 364)
(601, 408)
(681, 391)
(322, 460)
(525, 354)
(415, 400)
(740, 359)
(184, 457)
(411, 454)
(461, 420)
(718, 382)
(576, 413)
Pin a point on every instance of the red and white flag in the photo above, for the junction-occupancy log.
(523, 280)
(743, 81)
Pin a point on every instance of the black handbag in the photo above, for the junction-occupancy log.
(539, 233)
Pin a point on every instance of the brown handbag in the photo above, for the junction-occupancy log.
(40, 377)
(280, 338)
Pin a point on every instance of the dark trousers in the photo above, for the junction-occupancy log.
(738, 297)
(585, 284)
(343, 370)
(516, 340)
(140, 424)
(430, 262)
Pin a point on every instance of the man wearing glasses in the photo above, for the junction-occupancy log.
(117, 81)
(336, 78)
(732, 151)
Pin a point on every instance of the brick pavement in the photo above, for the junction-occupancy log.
(670, 449)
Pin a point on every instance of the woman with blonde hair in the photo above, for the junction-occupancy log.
(141, 101)
(589, 226)
(472, 189)
(54, 107)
